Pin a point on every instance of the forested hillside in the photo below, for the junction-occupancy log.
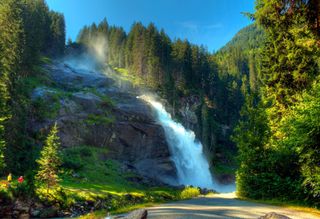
(28, 31)
(206, 91)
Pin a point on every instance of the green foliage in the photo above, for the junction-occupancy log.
(11, 41)
(189, 192)
(26, 32)
(6, 196)
(289, 65)
(49, 160)
(2, 149)
(20, 190)
(99, 178)
(302, 134)
(45, 110)
(278, 136)
(97, 119)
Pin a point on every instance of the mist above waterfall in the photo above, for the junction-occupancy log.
(98, 47)
(92, 57)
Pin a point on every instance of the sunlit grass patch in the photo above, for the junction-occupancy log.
(126, 76)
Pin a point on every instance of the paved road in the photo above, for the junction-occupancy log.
(220, 206)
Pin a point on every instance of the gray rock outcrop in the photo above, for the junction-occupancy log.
(93, 111)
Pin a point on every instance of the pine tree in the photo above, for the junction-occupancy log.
(56, 40)
(49, 160)
(11, 49)
(2, 148)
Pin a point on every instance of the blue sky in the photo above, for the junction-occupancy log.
(208, 22)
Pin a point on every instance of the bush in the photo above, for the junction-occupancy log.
(5, 196)
(72, 165)
(189, 192)
(21, 190)
(85, 152)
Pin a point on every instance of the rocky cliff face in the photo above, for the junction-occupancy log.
(90, 109)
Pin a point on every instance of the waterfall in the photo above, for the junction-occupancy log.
(187, 153)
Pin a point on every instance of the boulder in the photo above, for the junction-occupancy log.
(24, 216)
(21, 206)
(205, 191)
(137, 214)
(48, 212)
(273, 215)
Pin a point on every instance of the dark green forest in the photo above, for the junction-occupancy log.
(258, 97)
(29, 31)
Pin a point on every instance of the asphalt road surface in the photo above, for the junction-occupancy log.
(221, 206)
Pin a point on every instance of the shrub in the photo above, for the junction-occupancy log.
(189, 192)
(21, 190)
(85, 152)
(72, 164)
(5, 196)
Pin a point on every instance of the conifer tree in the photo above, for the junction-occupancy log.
(11, 49)
(2, 145)
(49, 160)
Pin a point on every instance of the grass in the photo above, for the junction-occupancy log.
(86, 170)
(134, 207)
(106, 100)
(89, 176)
(126, 76)
(98, 119)
(294, 205)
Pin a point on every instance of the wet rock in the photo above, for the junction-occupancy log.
(48, 212)
(189, 106)
(205, 191)
(35, 212)
(42, 92)
(21, 207)
(71, 78)
(273, 215)
(24, 216)
(225, 179)
(137, 214)
(88, 101)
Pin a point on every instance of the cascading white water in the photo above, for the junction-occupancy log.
(192, 166)
(187, 154)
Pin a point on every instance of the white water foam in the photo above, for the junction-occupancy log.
(187, 154)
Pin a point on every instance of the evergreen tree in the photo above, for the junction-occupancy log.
(49, 160)
(284, 162)
(11, 50)
(2, 149)
(302, 134)
(56, 39)
(289, 64)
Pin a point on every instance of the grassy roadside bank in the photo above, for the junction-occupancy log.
(292, 205)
